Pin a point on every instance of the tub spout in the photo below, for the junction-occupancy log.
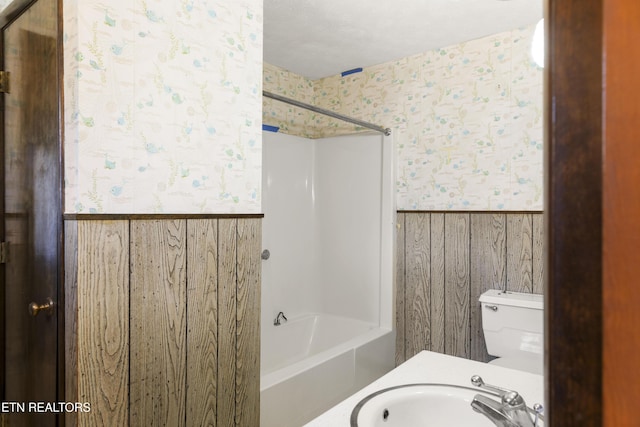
(279, 318)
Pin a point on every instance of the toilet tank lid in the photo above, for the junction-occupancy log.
(516, 299)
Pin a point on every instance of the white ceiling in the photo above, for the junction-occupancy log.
(319, 38)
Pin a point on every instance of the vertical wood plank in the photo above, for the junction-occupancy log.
(476, 258)
(248, 323)
(202, 321)
(488, 271)
(400, 289)
(71, 317)
(103, 321)
(538, 253)
(417, 317)
(438, 324)
(519, 256)
(457, 284)
(158, 322)
(227, 308)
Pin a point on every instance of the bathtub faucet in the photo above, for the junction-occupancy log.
(279, 318)
(511, 411)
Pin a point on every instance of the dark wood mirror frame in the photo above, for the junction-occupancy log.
(593, 205)
(592, 357)
(573, 214)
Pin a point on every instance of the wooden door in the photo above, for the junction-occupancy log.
(32, 205)
(621, 213)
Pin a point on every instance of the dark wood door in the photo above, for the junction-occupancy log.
(32, 205)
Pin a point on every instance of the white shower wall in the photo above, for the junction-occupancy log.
(288, 276)
(325, 221)
(348, 192)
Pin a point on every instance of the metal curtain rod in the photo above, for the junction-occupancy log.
(329, 113)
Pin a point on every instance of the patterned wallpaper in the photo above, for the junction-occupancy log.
(466, 119)
(162, 106)
(290, 119)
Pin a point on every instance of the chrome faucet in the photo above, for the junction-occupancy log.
(278, 319)
(511, 411)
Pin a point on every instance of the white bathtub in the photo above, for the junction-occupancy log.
(314, 361)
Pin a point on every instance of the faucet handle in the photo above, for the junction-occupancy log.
(477, 381)
(509, 397)
(538, 409)
(512, 399)
(512, 406)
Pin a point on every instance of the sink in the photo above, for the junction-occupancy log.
(414, 405)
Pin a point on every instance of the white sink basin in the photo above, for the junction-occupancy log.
(420, 405)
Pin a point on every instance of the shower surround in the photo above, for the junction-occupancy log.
(328, 224)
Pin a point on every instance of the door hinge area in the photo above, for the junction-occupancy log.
(4, 82)
(4, 255)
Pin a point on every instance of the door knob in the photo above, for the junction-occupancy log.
(47, 308)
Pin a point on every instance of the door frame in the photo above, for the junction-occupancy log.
(621, 207)
(7, 16)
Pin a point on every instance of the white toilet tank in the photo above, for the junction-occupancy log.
(513, 326)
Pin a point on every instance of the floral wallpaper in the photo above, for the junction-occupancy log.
(290, 119)
(466, 120)
(162, 106)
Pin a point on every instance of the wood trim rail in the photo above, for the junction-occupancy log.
(149, 216)
(469, 211)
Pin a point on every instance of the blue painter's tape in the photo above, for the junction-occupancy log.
(355, 70)
(270, 128)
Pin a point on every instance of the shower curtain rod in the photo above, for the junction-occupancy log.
(329, 113)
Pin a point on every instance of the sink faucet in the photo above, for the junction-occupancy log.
(511, 411)
(279, 318)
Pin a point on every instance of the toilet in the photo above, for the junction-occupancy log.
(513, 329)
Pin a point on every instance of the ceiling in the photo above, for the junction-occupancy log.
(320, 38)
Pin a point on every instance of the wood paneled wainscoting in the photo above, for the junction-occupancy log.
(445, 261)
(163, 320)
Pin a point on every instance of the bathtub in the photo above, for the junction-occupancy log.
(314, 361)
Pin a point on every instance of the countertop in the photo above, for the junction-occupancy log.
(430, 367)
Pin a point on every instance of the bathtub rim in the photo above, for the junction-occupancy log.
(282, 374)
(314, 318)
